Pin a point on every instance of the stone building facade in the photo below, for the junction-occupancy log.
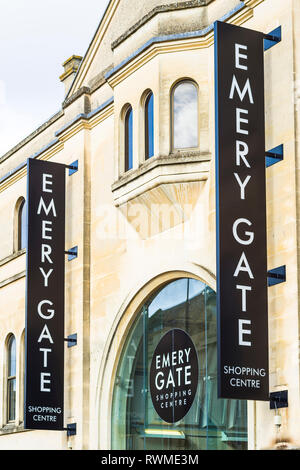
(138, 116)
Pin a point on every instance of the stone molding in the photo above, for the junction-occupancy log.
(159, 9)
(174, 168)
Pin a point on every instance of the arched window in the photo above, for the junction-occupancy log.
(11, 378)
(185, 115)
(128, 128)
(21, 376)
(149, 126)
(208, 423)
(22, 225)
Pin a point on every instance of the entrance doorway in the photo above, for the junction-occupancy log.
(211, 423)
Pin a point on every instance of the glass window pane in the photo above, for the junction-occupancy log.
(11, 379)
(23, 225)
(210, 423)
(11, 399)
(185, 116)
(149, 126)
(128, 140)
(127, 390)
(12, 357)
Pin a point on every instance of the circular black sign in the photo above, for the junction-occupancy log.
(174, 375)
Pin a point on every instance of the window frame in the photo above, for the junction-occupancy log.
(10, 379)
(21, 222)
(128, 139)
(179, 82)
(19, 207)
(139, 329)
(147, 99)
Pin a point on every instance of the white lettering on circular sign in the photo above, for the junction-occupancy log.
(174, 375)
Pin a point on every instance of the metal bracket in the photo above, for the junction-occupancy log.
(274, 155)
(73, 167)
(72, 340)
(72, 253)
(71, 429)
(276, 275)
(273, 38)
(279, 400)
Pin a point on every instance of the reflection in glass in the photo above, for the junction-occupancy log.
(211, 423)
(128, 139)
(185, 115)
(11, 379)
(149, 126)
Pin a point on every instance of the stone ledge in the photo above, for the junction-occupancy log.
(153, 162)
(81, 92)
(13, 278)
(12, 428)
(159, 9)
(15, 255)
(31, 136)
(184, 167)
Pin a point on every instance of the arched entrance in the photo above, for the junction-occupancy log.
(210, 423)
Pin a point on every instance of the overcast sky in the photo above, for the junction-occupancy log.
(36, 37)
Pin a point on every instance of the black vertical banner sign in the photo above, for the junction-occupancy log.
(241, 214)
(44, 350)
